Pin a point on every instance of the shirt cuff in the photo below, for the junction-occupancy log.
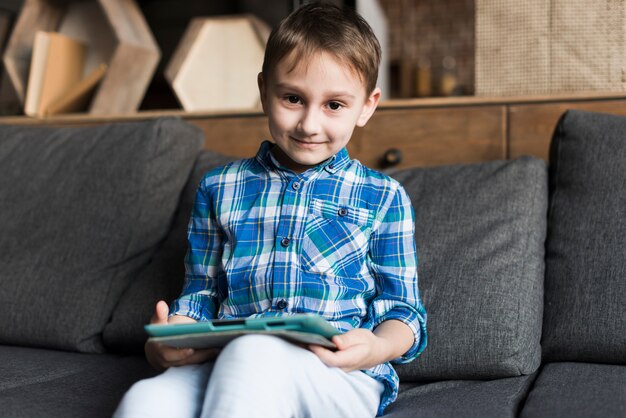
(200, 310)
(416, 321)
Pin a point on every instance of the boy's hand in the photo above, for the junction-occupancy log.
(358, 349)
(161, 356)
(361, 349)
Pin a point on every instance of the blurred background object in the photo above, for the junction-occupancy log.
(216, 63)
(430, 48)
(115, 33)
(424, 36)
(9, 102)
(415, 37)
(550, 47)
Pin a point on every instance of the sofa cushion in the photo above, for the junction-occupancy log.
(461, 398)
(48, 383)
(480, 232)
(578, 390)
(162, 278)
(585, 283)
(82, 210)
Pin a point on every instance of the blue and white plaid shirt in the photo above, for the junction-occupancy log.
(336, 240)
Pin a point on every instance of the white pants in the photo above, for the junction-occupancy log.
(255, 376)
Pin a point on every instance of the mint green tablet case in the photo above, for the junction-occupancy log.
(301, 328)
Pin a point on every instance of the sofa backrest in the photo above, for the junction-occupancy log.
(91, 240)
(480, 232)
(162, 278)
(585, 285)
(81, 211)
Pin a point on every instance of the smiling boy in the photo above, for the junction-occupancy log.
(300, 228)
(313, 108)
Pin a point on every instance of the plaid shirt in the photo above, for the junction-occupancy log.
(336, 240)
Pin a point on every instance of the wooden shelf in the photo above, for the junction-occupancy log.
(503, 100)
(427, 132)
(116, 34)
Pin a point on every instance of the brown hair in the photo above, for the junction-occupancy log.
(324, 27)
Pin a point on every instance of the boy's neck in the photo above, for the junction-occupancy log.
(286, 162)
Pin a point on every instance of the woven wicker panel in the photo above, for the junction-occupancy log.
(549, 46)
(512, 47)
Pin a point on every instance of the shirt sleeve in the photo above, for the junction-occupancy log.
(200, 297)
(393, 262)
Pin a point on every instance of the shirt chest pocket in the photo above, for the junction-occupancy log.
(336, 238)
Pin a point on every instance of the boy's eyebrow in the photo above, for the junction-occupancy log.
(344, 94)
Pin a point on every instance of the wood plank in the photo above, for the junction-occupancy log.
(82, 118)
(133, 63)
(126, 37)
(5, 24)
(35, 15)
(428, 137)
(463, 131)
(9, 102)
(395, 104)
(531, 126)
(504, 100)
(236, 136)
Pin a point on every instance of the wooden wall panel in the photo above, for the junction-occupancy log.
(427, 132)
(531, 125)
(236, 136)
(433, 136)
(426, 137)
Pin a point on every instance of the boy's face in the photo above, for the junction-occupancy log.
(313, 109)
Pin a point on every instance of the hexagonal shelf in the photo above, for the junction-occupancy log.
(116, 34)
(216, 63)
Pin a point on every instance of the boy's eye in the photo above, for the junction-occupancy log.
(293, 99)
(334, 105)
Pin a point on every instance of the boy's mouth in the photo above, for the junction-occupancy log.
(305, 144)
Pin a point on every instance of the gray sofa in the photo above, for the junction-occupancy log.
(522, 270)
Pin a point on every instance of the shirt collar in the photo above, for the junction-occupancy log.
(332, 165)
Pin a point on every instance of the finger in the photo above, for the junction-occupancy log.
(155, 359)
(327, 357)
(160, 313)
(343, 359)
(175, 355)
(341, 341)
(350, 338)
(159, 356)
(201, 356)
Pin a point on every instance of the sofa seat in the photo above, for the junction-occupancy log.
(568, 389)
(50, 383)
(462, 398)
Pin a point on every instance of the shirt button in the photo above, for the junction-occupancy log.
(282, 304)
(342, 212)
(296, 186)
(285, 242)
(331, 166)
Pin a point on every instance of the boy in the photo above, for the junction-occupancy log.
(301, 228)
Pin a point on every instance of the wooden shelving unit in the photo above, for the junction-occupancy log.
(426, 132)
(116, 34)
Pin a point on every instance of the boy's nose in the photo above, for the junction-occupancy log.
(310, 122)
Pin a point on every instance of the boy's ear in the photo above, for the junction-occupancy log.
(369, 107)
(262, 87)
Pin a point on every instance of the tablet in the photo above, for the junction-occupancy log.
(299, 328)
